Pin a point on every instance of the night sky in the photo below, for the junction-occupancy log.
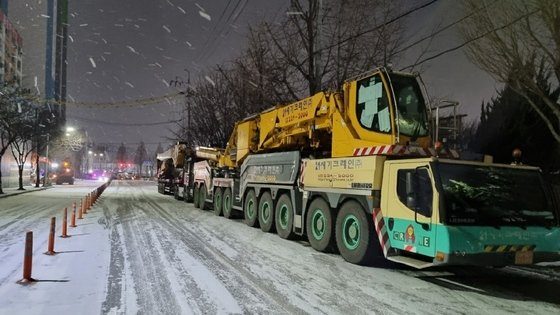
(129, 49)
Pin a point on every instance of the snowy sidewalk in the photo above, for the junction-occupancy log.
(72, 281)
(13, 191)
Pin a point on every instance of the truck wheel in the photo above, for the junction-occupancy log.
(319, 226)
(186, 197)
(250, 209)
(355, 235)
(266, 212)
(284, 217)
(196, 196)
(227, 201)
(202, 198)
(176, 192)
(218, 201)
(71, 182)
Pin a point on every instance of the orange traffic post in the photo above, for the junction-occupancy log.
(73, 220)
(27, 259)
(64, 224)
(50, 250)
(80, 211)
(85, 206)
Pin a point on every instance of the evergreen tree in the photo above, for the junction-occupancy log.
(508, 122)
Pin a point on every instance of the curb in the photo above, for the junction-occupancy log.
(19, 192)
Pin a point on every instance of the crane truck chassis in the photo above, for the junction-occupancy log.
(357, 176)
(420, 212)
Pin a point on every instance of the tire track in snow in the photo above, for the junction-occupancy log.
(253, 295)
(115, 287)
(150, 283)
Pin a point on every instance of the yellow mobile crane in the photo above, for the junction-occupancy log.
(356, 172)
(378, 108)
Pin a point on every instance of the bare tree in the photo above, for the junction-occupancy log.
(140, 156)
(8, 114)
(121, 154)
(319, 45)
(19, 120)
(518, 42)
(326, 43)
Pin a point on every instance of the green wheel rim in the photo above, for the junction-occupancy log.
(251, 209)
(284, 216)
(318, 224)
(265, 212)
(351, 232)
(218, 201)
(226, 203)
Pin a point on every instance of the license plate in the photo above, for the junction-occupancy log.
(524, 258)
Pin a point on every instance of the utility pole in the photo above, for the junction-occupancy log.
(37, 168)
(189, 138)
(178, 82)
(318, 76)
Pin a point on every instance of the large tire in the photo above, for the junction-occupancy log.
(227, 203)
(176, 192)
(319, 226)
(185, 193)
(355, 235)
(196, 196)
(250, 209)
(202, 198)
(218, 201)
(284, 217)
(266, 212)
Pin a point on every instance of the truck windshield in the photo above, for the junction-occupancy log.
(494, 196)
(412, 119)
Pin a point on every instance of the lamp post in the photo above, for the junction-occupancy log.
(47, 182)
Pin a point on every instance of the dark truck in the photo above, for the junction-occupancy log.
(65, 173)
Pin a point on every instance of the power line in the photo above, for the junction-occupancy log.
(103, 122)
(469, 41)
(131, 102)
(441, 30)
(375, 28)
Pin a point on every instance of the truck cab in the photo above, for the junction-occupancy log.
(440, 211)
(65, 173)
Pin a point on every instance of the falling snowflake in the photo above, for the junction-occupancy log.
(166, 28)
(181, 9)
(92, 62)
(132, 49)
(205, 15)
(129, 84)
(210, 81)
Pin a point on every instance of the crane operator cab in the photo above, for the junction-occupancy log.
(390, 108)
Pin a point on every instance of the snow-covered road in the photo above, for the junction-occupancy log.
(138, 251)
